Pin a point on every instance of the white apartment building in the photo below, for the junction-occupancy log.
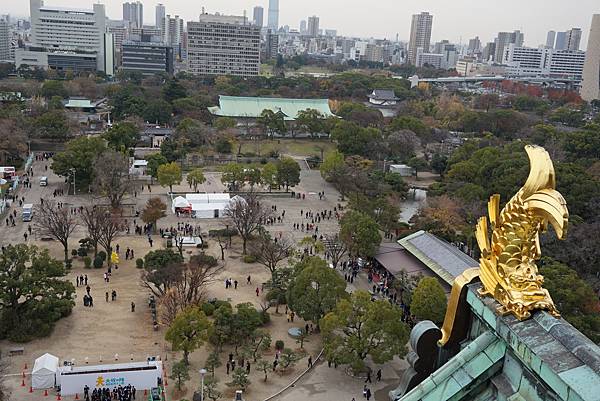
(68, 29)
(173, 33)
(223, 45)
(544, 61)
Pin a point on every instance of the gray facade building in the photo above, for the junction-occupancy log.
(420, 35)
(561, 41)
(313, 26)
(133, 12)
(503, 40)
(271, 45)
(573, 39)
(223, 45)
(4, 40)
(550, 39)
(258, 16)
(149, 58)
(160, 14)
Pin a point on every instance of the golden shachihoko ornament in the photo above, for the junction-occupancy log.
(507, 266)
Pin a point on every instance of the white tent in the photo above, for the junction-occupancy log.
(44, 370)
(180, 201)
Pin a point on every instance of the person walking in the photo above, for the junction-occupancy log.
(368, 394)
(257, 291)
(368, 380)
(133, 306)
(379, 375)
(310, 363)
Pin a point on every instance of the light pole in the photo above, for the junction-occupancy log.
(202, 373)
(74, 188)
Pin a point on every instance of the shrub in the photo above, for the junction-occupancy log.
(98, 262)
(73, 252)
(265, 317)
(102, 255)
(139, 263)
(82, 252)
(208, 308)
(69, 264)
(218, 303)
(87, 261)
(249, 258)
(279, 345)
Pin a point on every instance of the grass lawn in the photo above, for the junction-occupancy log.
(294, 147)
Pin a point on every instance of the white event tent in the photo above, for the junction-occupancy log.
(44, 371)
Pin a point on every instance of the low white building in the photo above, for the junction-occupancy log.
(202, 206)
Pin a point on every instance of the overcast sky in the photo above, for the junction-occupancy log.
(453, 19)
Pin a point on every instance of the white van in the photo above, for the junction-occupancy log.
(44, 182)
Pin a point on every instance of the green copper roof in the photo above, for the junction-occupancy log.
(476, 363)
(252, 107)
(79, 103)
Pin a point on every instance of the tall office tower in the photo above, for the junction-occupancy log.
(474, 46)
(550, 39)
(313, 26)
(271, 45)
(223, 45)
(573, 39)
(561, 41)
(303, 27)
(273, 22)
(5, 40)
(258, 16)
(420, 35)
(134, 13)
(590, 87)
(173, 33)
(59, 28)
(160, 13)
(503, 40)
(488, 51)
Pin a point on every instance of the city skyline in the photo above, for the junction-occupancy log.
(353, 23)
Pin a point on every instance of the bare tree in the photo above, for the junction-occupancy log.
(111, 226)
(93, 218)
(160, 280)
(56, 222)
(247, 215)
(335, 248)
(190, 288)
(270, 252)
(111, 177)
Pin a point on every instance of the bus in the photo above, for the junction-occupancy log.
(8, 173)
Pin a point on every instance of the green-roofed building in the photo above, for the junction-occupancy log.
(251, 107)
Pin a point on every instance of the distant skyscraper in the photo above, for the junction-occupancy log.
(134, 13)
(573, 39)
(303, 27)
(257, 16)
(590, 87)
(4, 40)
(313, 26)
(503, 40)
(420, 35)
(474, 46)
(550, 39)
(561, 41)
(160, 17)
(173, 33)
(273, 22)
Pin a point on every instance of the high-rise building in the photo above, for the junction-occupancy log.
(303, 27)
(60, 29)
(420, 35)
(474, 46)
(173, 33)
(160, 13)
(258, 16)
(271, 45)
(133, 12)
(561, 41)
(503, 40)
(223, 45)
(313, 26)
(573, 39)
(273, 22)
(4, 40)
(550, 39)
(590, 87)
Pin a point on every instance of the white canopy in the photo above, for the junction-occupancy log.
(180, 201)
(44, 370)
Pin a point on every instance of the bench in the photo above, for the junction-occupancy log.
(16, 351)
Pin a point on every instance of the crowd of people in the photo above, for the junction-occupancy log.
(120, 393)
